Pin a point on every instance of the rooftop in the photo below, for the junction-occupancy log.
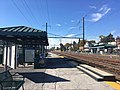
(23, 35)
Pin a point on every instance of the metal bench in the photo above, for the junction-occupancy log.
(9, 81)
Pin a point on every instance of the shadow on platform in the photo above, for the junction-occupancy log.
(41, 77)
(53, 63)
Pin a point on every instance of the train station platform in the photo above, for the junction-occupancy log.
(59, 74)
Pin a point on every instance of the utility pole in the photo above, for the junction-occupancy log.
(46, 32)
(83, 33)
(46, 27)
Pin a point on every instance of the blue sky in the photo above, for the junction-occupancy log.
(64, 17)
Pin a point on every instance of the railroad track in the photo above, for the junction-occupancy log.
(107, 64)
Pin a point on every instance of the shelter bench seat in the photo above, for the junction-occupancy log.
(9, 81)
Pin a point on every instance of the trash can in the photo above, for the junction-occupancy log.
(1, 58)
(36, 63)
(42, 62)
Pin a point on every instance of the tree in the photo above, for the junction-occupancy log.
(57, 48)
(82, 43)
(52, 48)
(103, 39)
(75, 46)
(62, 47)
(106, 39)
(67, 46)
(110, 38)
(79, 42)
(101, 36)
(118, 39)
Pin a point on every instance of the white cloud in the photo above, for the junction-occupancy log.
(104, 8)
(101, 12)
(72, 28)
(96, 17)
(96, 38)
(53, 42)
(113, 31)
(93, 7)
(68, 40)
(70, 35)
(59, 25)
(107, 11)
(72, 21)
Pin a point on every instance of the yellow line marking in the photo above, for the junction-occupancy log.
(115, 85)
(118, 82)
(61, 56)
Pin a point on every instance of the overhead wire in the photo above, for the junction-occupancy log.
(37, 22)
(77, 34)
(48, 11)
(53, 34)
(21, 12)
(105, 1)
(114, 12)
(77, 25)
(39, 9)
(27, 11)
(92, 9)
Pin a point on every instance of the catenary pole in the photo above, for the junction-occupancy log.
(83, 32)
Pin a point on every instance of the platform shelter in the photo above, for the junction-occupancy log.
(21, 43)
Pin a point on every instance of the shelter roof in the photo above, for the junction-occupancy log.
(103, 46)
(23, 35)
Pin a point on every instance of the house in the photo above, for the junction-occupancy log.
(102, 48)
(118, 42)
(87, 46)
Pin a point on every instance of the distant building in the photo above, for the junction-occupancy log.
(118, 42)
(112, 43)
(102, 48)
(87, 45)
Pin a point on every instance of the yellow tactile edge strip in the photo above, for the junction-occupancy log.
(61, 56)
(118, 82)
(115, 85)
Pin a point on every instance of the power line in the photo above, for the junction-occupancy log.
(27, 10)
(40, 2)
(37, 22)
(21, 12)
(62, 36)
(77, 34)
(67, 37)
(76, 25)
(97, 4)
(86, 15)
(39, 9)
(53, 34)
(48, 11)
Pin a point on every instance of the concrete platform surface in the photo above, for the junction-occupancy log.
(59, 74)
